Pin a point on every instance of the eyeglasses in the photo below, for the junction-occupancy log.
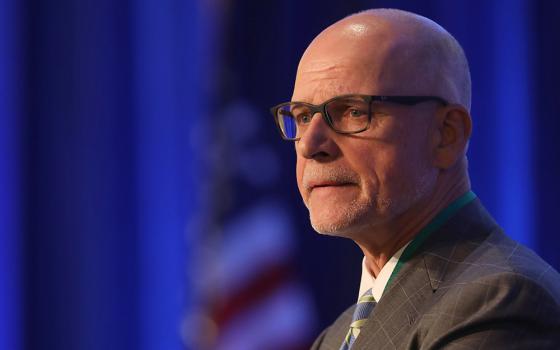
(346, 114)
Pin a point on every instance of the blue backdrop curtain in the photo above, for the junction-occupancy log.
(11, 270)
(106, 112)
(97, 103)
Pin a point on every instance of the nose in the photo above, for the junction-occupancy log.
(317, 140)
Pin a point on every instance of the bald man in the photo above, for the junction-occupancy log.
(381, 124)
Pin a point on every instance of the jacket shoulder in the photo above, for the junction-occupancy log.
(500, 262)
(499, 293)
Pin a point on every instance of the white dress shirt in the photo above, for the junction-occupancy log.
(378, 284)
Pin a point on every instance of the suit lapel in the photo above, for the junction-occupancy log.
(413, 289)
(398, 309)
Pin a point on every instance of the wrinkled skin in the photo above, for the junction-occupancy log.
(379, 187)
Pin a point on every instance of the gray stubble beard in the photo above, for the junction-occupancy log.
(357, 212)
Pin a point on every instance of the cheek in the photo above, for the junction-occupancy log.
(387, 172)
(383, 173)
(404, 169)
(371, 167)
(380, 160)
(300, 164)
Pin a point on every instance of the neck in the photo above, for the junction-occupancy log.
(378, 248)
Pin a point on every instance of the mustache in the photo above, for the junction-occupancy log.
(321, 174)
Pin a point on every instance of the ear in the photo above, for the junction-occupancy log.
(454, 127)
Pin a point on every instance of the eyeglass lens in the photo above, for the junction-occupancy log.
(347, 114)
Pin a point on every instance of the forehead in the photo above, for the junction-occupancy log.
(380, 61)
(339, 65)
(321, 80)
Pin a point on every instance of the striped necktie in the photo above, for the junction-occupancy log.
(366, 303)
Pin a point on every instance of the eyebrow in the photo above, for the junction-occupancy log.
(328, 92)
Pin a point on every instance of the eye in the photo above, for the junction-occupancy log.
(303, 118)
(355, 113)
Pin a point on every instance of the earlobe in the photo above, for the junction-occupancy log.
(454, 127)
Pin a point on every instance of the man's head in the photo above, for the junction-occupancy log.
(354, 183)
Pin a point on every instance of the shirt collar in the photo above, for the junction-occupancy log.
(378, 284)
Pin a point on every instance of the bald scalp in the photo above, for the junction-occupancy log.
(408, 53)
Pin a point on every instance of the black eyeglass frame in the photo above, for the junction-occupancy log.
(369, 99)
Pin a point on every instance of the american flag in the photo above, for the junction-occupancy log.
(249, 295)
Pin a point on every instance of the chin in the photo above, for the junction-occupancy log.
(353, 219)
(329, 230)
(343, 217)
(342, 225)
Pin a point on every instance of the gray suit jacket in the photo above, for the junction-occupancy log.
(467, 287)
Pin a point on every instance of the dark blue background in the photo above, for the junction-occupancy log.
(106, 109)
